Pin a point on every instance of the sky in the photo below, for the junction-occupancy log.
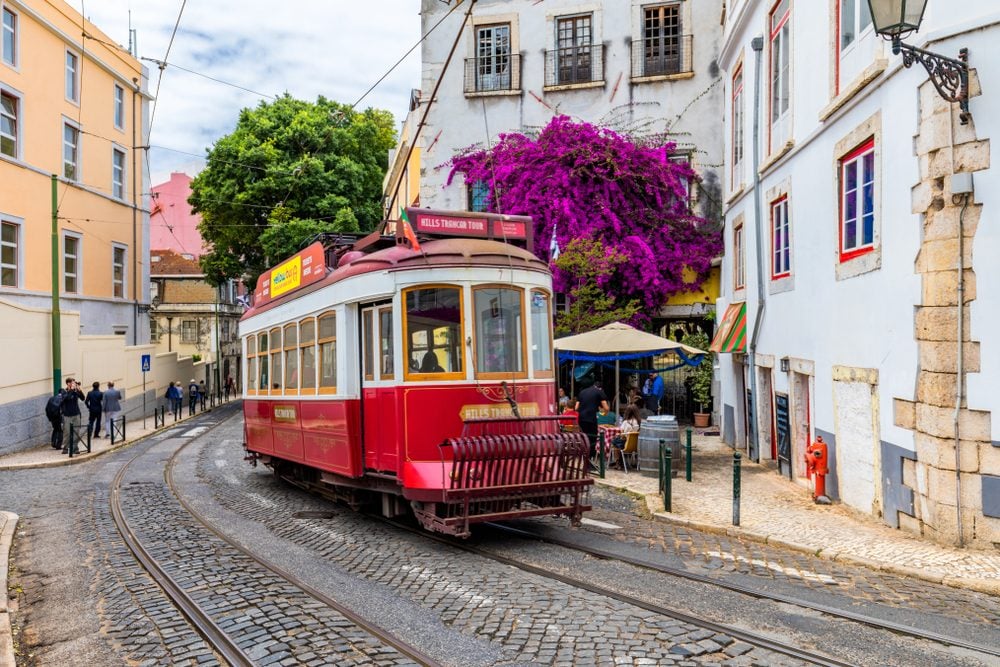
(335, 48)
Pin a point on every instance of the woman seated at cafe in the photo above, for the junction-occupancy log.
(606, 418)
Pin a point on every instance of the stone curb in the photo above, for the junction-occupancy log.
(6, 633)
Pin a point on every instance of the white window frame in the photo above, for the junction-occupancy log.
(856, 55)
(119, 107)
(781, 251)
(18, 224)
(11, 34)
(118, 189)
(860, 31)
(737, 135)
(77, 176)
(124, 264)
(196, 336)
(18, 121)
(494, 66)
(684, 157)
(739, 256)
(779, 41)
(75, 80)
(78, 275)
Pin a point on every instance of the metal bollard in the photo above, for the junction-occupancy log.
(659, 463)
(667, 479)
(736, 488)
(601, 438)
(687, 459)
(123, 428)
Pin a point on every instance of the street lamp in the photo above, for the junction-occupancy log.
(895, 19)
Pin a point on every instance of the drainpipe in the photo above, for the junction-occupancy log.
(136, 255)
(757, 44)
(959, 378)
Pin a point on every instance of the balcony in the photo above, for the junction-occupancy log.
(662, 57)
(495, 75)
(574, 66)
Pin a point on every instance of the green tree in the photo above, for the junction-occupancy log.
(289, 170)
(591, 305)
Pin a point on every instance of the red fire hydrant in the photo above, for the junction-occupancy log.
(818, 467)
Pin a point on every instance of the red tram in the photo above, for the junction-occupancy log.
(420, 372)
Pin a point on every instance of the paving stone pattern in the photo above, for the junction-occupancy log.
(532, 618)
(271, 620)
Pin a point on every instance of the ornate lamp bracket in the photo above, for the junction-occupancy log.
(949, 76)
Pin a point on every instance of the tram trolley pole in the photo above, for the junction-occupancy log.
(736, 488)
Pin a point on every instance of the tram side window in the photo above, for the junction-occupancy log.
(307, 355)
(262, 362)
(541, 332)
(434, 330)
(275, 361)
(369, 349)
(291, 359)
(328, 353)
(385, 342)
(499, 317)
(251, 364)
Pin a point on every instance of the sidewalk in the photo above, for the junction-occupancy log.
(8, 522)
(778, 511)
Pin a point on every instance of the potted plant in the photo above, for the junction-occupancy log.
(700, 379)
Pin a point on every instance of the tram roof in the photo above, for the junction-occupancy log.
(438, 253)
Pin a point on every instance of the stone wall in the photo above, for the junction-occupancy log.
(943, 147)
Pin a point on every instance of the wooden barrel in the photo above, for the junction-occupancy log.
(651, 431)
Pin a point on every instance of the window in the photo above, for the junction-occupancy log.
(781, 42)
(385, 343)
(72, 77)
(857, 201)
(71, 264)
(737, 133)
(189, 332)
(493, 61)
(856, 39)
(781, 246)
(9, 259)
(574, 50)
(291, 359)
(541, 333)
(368, 326)
(307, 356)
(119, 107)
(118, 255)
(855, 18)
(739, 270)
(684, 159)
(9, 37)
(9, 116)
(432, 332)
(661, 40)
(479, 196)
(154, 329)
(251, 364)
(71, 153)
(327, 353)
(262, 358)
(118, 173)
(276, 353)
(499, 320)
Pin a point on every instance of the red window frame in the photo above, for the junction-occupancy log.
(737, 92)
(855, 155)
(788, 243)
(772, 34)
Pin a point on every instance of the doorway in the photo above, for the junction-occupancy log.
(801, 418)
(378, 387)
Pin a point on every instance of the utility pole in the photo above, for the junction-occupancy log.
(56, 315)
(218, 343)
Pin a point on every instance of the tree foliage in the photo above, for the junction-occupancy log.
(289, 170)
(578, 181)
(589, 266)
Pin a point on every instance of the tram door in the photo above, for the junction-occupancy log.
(378, 388)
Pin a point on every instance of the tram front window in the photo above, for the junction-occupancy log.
(499, 331)
(434, 331)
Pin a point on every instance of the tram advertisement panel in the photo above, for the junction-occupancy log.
(300, 270)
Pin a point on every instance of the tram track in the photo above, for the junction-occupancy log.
(218, 639)
(828, 610)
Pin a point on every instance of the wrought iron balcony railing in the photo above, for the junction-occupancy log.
(661, 56)
(493, 74)
(574, 64)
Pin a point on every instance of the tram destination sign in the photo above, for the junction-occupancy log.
(299, 270)
(511, 228)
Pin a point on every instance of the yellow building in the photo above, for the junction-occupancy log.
(72, 104)
(401, 186)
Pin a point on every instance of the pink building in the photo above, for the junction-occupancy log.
(172, 224)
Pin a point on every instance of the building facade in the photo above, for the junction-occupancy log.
(172, 223)
(193, 319)
(854, 251)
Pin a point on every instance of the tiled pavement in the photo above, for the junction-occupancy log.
(778, 511)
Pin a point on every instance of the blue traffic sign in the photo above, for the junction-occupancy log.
(145, 363)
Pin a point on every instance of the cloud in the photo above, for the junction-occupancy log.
(333, 48)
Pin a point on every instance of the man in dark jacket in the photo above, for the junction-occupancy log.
(94, 403)
(71, 412)
(112, 407)
(591, 399)
(192, 396)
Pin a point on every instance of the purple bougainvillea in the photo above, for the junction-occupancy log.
(581, 181)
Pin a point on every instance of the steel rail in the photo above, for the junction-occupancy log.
(384, 635)
(829, 610)
(751, 638)
(201, 621)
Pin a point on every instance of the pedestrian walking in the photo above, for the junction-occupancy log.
(95, 406)
(591, 400)
(112, 408)
(53, 412)
(230, 386)
(192, 396)
(71, 412)
(202, 392)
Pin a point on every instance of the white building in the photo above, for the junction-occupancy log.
(848, 222)
(639, 67)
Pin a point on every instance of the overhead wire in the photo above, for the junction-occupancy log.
(163, 64)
